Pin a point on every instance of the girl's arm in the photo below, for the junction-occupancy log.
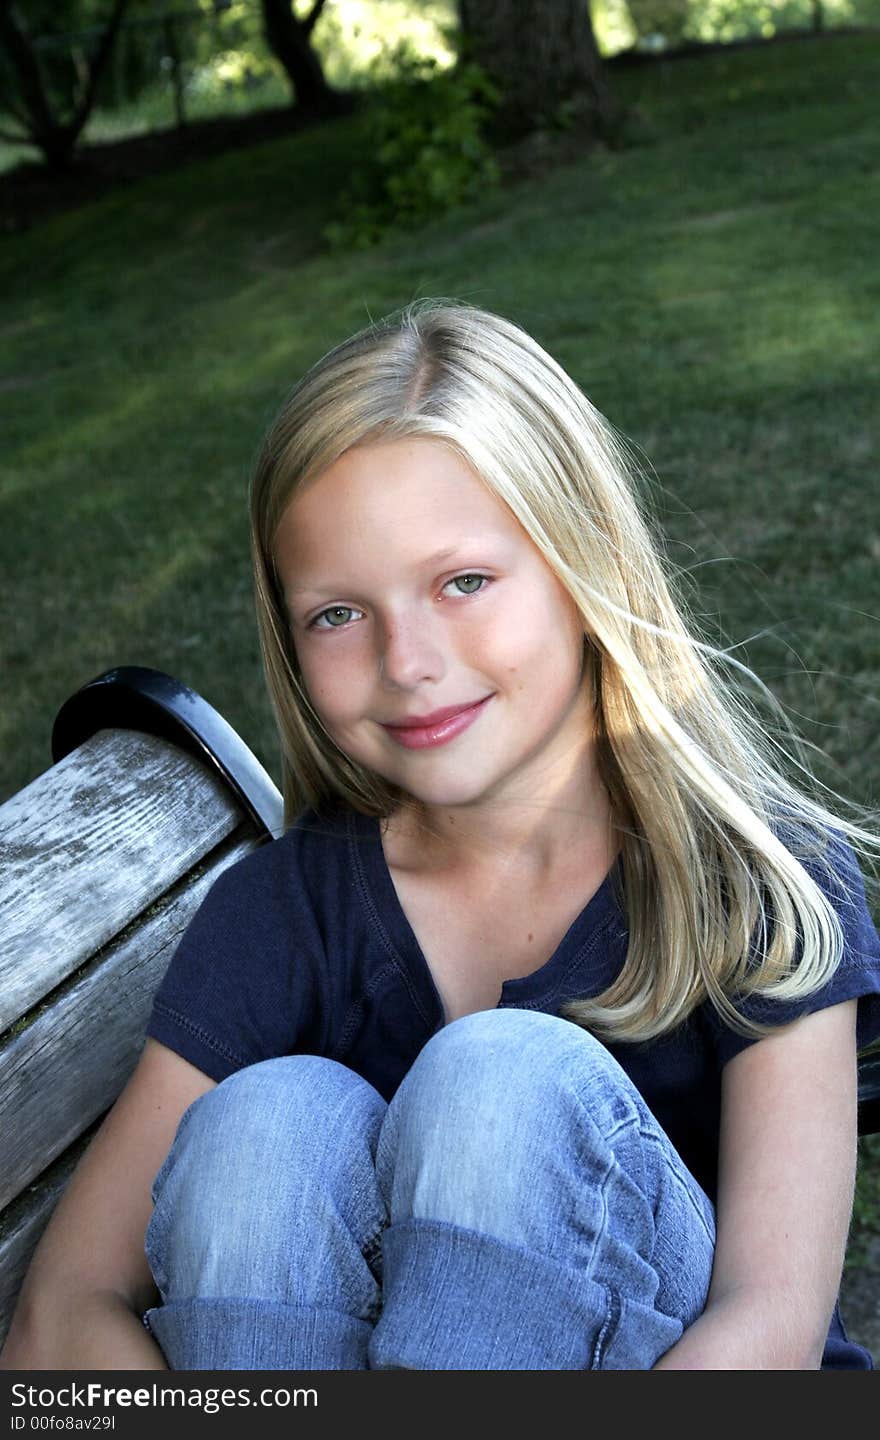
(786, 1176)
(89, 1282)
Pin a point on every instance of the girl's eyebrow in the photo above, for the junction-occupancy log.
(445, 554)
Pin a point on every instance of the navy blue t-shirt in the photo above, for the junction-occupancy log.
(303, 947)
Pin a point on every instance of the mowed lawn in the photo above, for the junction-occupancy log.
(714, 288)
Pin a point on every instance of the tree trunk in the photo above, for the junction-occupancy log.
(539, 55)
(56, 138)
(289, 39)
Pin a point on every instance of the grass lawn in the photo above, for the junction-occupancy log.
(714, 289)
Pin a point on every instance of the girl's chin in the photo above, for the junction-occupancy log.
(443, 796)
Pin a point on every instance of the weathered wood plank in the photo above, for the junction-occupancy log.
(68, 1065)
(91, 844)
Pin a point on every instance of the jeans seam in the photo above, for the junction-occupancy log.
(372, 1254)
(371, 1251)
(681, 1176)
(607, 1328)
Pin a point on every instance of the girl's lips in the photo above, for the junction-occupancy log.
(421, 736)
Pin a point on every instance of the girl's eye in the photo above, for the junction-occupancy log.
(458, 578)
(335, 610)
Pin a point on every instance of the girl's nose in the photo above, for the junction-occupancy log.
(409, 652)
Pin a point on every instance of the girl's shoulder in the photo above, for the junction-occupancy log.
(300, 855)
(252, 975)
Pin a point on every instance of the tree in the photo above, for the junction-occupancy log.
(539, 56)
(26, 96)
(289, 39)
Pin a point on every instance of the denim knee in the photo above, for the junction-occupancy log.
(260, 1167)
(502, 1121)
(527, 1186)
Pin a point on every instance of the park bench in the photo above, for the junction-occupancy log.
(103, 861)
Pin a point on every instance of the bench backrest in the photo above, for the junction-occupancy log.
(104, 860)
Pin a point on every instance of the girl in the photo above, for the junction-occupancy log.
(532, 1043)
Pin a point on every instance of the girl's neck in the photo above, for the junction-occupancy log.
(533, 840)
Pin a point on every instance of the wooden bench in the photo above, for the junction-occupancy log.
(103, 861)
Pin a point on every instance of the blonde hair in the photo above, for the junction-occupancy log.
(699, 801)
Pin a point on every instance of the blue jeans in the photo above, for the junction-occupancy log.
(515, 1207)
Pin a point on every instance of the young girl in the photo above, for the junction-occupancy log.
(532, 1043)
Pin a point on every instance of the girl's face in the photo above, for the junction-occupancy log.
(412, 589)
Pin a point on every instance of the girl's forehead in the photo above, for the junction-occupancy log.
(407, 483)
(405, 509)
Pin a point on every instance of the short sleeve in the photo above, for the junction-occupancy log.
(242, 985)
(857, 977)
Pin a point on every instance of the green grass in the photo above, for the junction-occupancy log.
(866, 1204)
(714, 288)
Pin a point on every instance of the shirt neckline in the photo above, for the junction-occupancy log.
(530, 990)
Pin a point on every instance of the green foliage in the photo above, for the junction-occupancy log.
(429, 152)
(61, 57)
(350, 36)
(624, 22)
(668, 18)
(231, 54)
(65, 35)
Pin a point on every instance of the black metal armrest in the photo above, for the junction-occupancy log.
(133, 697)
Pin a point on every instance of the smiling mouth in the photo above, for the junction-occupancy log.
(419, 736)
(436, 717)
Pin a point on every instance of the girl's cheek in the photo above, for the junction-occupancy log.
(310, 670)
(331, 679)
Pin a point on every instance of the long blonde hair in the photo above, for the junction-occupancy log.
(712, 833)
